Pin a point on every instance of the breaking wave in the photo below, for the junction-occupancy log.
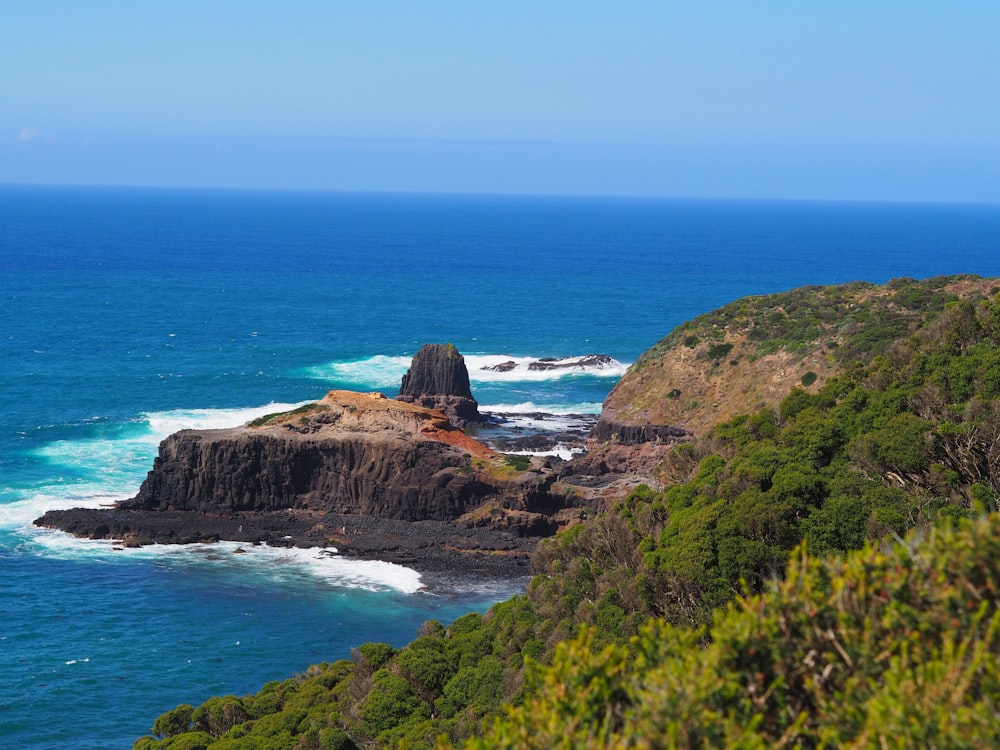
(385, 372)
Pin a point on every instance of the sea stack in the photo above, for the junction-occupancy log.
(439, 379)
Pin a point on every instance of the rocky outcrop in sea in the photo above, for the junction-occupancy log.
(438, 379)
(397, 480)
(360, 472)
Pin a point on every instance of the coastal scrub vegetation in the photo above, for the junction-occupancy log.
(823, 572)
(800, 337)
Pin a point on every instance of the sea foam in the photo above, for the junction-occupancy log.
(19, 514)
(521, 370)
(530, 407)
(261, 563)
(383, 371)
(100, 471)
(165, 423)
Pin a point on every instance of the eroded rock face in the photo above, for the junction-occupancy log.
(438, 379)
(349, 453)
(609, 431)
(220, 472)
(374, 477)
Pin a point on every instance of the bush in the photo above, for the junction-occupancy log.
(174, 722)
(518, 462)
(719, 351)
(894, 647)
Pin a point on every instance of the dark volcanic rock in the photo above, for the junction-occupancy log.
(591, 361)
(438, 379)
(349, 453)
(372, 476)
(609, 431)
(588, 362)
(507, 366)
(219, 471)
(427, 546)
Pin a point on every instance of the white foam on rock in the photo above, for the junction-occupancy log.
(560, 451)
(276, 565)
(480, 368)
(383, 371)
(105, 470)
(555, 410)
(20, 513)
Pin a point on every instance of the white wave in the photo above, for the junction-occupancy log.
(165, 423)
(561, 451)
(530, 407)
(374, 372)
(20, 513)
(521, 370)
(348, 572)
(278, 565)
(548, 422)
(382, 371)
(107, 456)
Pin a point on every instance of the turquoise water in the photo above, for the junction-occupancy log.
(126, 315)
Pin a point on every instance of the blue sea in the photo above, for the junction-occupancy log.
(128, 314)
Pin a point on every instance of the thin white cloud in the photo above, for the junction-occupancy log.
(29, 134)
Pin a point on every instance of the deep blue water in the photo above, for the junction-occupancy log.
(127, 314)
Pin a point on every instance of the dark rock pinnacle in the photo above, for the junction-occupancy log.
(439, 379)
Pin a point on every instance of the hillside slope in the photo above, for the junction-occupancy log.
(752, 352)
(669, 618)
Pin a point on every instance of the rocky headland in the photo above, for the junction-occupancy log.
(400, 480)
(371, 476)
(745, 356)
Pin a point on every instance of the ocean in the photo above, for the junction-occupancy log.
(128, 314)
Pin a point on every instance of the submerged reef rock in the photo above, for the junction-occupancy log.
(588, 362)
(609, 431)
(438, 379)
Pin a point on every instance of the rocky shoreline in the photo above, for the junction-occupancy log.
(429, 547)
(375, 478)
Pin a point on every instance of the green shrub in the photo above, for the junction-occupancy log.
(719, 351)
(518, 462)
(894, 647)
(174, 722)
(216, 716)
(392, 702)
(375, 655)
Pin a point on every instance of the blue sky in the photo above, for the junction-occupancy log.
(849, 100)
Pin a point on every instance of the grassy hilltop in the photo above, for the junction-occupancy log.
(752, 352)
(674, 618)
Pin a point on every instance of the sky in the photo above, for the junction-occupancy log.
(844, 100)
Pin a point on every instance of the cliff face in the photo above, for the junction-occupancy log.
(438, 379)
(349, 453)
(224, 471)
